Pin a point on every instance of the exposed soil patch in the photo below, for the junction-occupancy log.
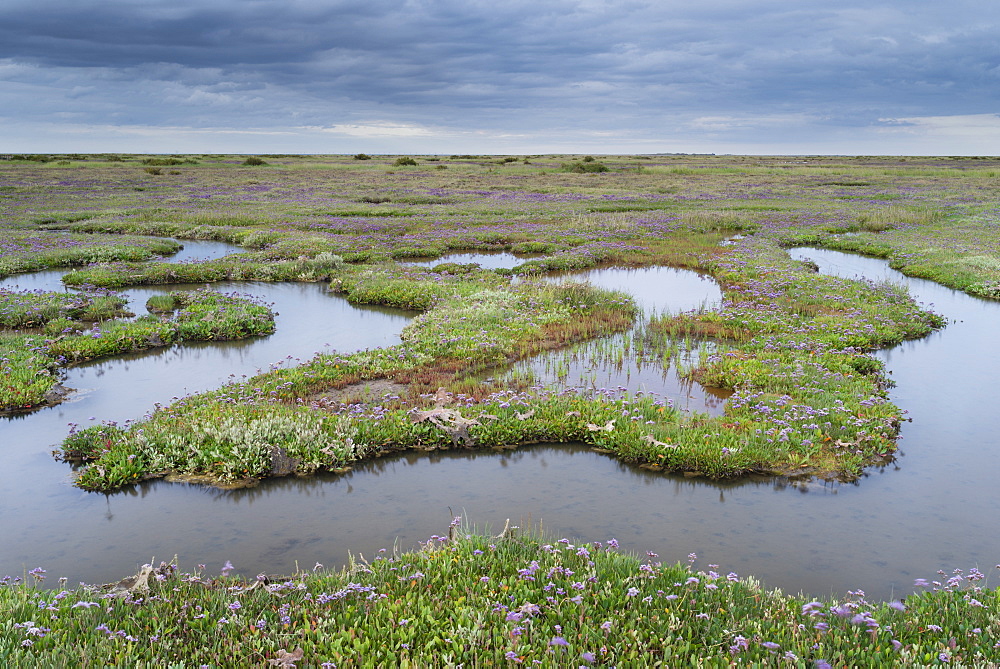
(361, 392)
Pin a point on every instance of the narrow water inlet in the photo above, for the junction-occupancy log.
(621, 361)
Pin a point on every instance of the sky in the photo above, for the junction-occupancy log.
(842, 77)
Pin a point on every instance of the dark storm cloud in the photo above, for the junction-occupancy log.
(720, 68)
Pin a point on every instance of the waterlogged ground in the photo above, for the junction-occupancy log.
(621, 362)
(925, 508)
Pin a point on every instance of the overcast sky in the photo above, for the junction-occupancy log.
(500, 76)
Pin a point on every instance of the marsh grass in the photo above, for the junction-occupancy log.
(21, 309)
(806, 396)
(82, 327)
(675, 211)
(792, 346)
(30, 251)
(29, 374)
(240, 267)
(202, 315)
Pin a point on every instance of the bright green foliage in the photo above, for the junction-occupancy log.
(30, 251)
(34, 309)
(231, 268)
(476, 600)
(208, 315)
(113, 338)
(812, 401)
(26, 371)
(29, 361)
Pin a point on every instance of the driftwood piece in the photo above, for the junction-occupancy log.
(286, 658)
(281, 463)
(654, 442)
(450, 421)
(442, 398)
(140, 582)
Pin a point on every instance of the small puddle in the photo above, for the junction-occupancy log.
(486, 260)
(613, 364)
(655, 289)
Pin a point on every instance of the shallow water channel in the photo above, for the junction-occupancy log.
(934, 508)
(46, 522)
(614, 363)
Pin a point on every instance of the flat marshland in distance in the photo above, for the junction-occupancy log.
(790, 345)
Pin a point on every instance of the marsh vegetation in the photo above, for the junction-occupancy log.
(789, 349)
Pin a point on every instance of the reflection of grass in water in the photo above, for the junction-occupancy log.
(674, 210)
(615, 360)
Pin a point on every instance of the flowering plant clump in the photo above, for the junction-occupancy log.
(509, 600)
(32, 309)
(27, 250)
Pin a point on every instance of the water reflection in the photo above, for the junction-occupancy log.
(271, 526)
(485, 259)
(932, 508)
(595, 366)
(654, 289)
(618, 362)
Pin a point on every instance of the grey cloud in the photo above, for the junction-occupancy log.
(568, 64)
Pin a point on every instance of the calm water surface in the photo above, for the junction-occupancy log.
(486, 260)
(934, 508)
(89, 537)
(656, 290)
